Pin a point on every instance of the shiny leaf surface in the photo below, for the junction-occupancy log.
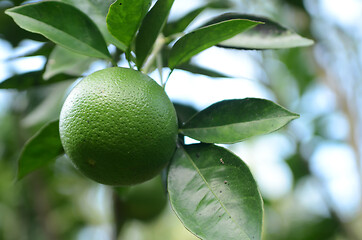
(214, 194)
(205, 37)
(125, 17)
(73, 30)
(270, 35)
(231, 121)
(97, 10)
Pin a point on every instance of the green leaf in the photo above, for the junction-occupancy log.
(64, 61)
(299, 67)
(270, 35)
(97, 10)
(40, 150)
(214, 194)
(64, 25)
(205, 37)
(221, 4)
(315, 228)
(32, 79)
(181, 24)
(151, 26)
(192, 68)
(125, 17)
(184, 112)
(231, 121)
(12, 32)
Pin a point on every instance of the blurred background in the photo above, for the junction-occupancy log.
(309, 173)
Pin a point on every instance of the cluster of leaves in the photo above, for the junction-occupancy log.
(211, 190)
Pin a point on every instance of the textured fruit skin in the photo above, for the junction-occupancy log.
(118, 127)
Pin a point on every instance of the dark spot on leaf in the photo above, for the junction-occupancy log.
(225, 182)
(197, 155)
(91, 162)
(220, 191)
(120, 3)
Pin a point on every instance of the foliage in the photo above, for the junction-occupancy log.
(211, 190)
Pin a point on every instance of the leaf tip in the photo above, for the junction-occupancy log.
(309, 42)
(9, 12)
(19, 175)
(295, 115)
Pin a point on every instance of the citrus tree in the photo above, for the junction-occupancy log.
(118, 126)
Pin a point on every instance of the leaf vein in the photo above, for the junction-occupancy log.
(239, 123)
(218, 199)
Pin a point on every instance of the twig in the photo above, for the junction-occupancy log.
(156, 50)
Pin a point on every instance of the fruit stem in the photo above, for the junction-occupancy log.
(129, 58)
(119, 217)
(129, 64)
(114, 63)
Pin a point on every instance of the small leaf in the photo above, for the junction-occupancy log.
(63, 24)
(270, 35)
(32, 79)
(125, 17)
(64, 61)
(231, 121)
(40, 150)
(205, 37)
(151, 26)
(214, 194)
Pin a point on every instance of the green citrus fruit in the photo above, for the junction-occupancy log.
(118, 127)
